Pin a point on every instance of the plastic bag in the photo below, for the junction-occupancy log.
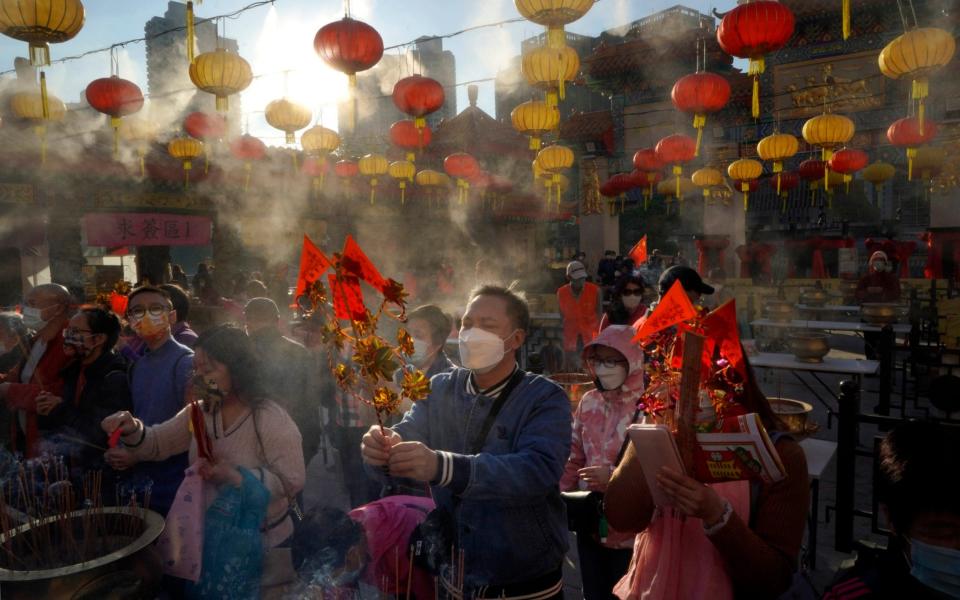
(232, 545)
(181, 543)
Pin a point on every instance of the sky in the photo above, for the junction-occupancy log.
(279, 38)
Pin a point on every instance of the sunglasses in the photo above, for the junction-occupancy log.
(632, 292)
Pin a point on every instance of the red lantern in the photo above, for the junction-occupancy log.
(316, 169)
(848, 161)
(248, 149)
(418, 96)
(752, 30)
(205, 126)
(646, 160)
(905, 133)
(346, 169)
(406, 136)
(462, 167)
(349, 46)
(788, 182)
(700, 94)
(645, 180)
(812, 170)
(117, 98)
(675, 150)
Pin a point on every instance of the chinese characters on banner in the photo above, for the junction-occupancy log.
(146, 229)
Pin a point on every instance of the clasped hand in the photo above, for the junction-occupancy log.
(691, 497)
(413, 460)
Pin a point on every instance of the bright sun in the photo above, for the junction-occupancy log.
(286, 45)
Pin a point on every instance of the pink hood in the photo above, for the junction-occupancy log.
(620, 338)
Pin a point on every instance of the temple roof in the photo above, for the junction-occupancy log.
(478, 133)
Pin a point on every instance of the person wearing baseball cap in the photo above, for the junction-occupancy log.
(580, 308)
(688, 277)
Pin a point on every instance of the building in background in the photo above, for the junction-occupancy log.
(375, 111)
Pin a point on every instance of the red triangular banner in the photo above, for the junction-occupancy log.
(674, 307)
(721, 327)
(356, 263)
(639, 252)
(347, 297)
(313, 264)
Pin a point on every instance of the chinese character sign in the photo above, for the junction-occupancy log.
(146, 229)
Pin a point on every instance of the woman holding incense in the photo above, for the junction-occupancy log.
(246, 434)
(721, 541)
(94, 386)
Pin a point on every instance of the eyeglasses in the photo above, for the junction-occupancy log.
(76, 332)
(607, 363)
(631, 292)
(138, 312)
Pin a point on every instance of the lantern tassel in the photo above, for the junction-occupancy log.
(756, 68)
(206, 161)
(403, 193)
(44, 99)
(39, 54)
(911, 154)
(190, 33)
(534, 142)
(846, 19)
(745, 188)
(115, 123)
(826, 178)
(187, 165)
(248, 168)
(552, 100)
(699, 122)
(921, 89)
(373, 190)
(778, 181)
(562, 88)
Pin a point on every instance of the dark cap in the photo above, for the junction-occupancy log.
(689, 279)
(261, 308)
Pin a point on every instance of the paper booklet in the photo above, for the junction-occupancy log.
(741, 450)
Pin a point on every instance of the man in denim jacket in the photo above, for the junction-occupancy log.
(510, 522)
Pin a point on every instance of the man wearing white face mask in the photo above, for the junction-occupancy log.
(599, 433)
(491, 440)
(47, 311)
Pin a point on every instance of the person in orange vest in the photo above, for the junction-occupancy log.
(580, 308)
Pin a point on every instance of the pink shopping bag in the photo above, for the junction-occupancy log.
(181, 543)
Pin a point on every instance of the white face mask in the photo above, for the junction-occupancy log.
(421, 348)
(610, 378)
(480, 350)
(32, 318)
(631, 302)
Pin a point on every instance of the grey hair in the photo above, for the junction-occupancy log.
(13, 322)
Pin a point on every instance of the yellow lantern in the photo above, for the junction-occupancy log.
(877, 174)
(916, 55)
(549, 69)
(222, 74)
(185, 149)
(403, 171)
(554, 14)
(434, 181)
(552, 160)
(39, 108)
(827, 131)
(288, 117)
(141, 132)
(744, 171)
(777, 148)
(534, 119)
(373, 166)
(319, 142)
(706, 179)
(40, 23)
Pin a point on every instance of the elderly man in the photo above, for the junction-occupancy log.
(492, 442)
(47, 311)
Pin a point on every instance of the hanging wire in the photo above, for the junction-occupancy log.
(903, 17)
(916, 23)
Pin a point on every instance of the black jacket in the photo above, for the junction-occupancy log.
(105, 391)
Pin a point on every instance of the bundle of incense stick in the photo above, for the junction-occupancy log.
(49, 521)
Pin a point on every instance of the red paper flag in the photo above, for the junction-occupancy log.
(118, 304)
(639, 252)
(347, 297)
(721, 327)
(355, 262)
(674, 307)
(313, 264)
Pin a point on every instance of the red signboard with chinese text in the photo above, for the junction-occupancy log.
(146, 229)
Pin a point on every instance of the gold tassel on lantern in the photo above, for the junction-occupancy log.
(115, 123)
(373, 190)
(187, 165)
(403, 193)
(911, 154)
(247, 169)
(921, 89)
(745, 188)
(846, 19)
(699, 122)
(44, 101)
(756, 69)
(190, 33)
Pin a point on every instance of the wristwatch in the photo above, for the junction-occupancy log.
(720, 524)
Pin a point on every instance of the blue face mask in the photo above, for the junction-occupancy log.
(936, 567)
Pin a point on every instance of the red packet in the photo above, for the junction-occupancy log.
(741, 450)
(114, 438)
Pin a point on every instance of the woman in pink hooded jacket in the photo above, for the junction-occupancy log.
(599, 431)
